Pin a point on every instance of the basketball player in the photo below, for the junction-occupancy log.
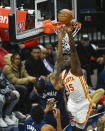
(79, 103)
(36, 122)
(51, 89)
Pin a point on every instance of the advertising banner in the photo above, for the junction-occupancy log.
(21, 19)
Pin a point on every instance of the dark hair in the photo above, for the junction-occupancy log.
(13, 56)
(19, 66)
(37, 113)
(40, 85)
(35, 47)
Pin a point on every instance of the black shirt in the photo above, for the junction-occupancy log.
(35, 68)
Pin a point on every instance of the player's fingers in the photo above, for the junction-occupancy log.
(51, 102)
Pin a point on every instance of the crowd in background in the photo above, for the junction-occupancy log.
(35, 60)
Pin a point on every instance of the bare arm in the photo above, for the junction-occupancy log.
(48, 127)
(59, 56)
(54, 76)
(75, 62)
(65, 99)
(58, 119)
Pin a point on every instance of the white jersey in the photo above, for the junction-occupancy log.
(79, 103)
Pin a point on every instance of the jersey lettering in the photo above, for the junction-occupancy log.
(31, 128)
(4, 19)
(52, 93)
(68, 80)
(70, 88)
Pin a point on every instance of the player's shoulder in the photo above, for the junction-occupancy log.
(47, 127)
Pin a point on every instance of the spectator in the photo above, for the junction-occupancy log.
(16, 72)
(3, 52)
(34, 64)
(17, 75)
(36, 121)
(101, 80)
(51, 54)
(89, 57)
(26, 47)
(47, 92)
(8, 97)
(43, 55)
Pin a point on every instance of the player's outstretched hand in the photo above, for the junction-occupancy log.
(68, 28)
(56, 113)
(49, 105)
(61, 32)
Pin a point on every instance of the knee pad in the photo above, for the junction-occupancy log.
(2, 98)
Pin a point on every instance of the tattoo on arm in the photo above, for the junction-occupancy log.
(56, 73)
(59, 56)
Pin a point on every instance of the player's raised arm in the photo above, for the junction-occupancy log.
(75, 62)
(59, 56)
(54, 76)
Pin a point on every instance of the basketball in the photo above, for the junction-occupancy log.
(65, 16)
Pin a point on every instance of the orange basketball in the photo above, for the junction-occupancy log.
(65, 16)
